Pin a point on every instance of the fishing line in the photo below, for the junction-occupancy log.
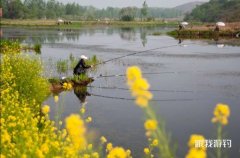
(139, 52)
(131, 99)
(152, 90)
(122, 75)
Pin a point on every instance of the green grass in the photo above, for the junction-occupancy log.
(156, 33)
(37, 48)
(202, 33)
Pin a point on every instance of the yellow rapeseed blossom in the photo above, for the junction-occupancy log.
(146, 151)
(90, 147)
(128, 153)
(117, 152)
(82, 110)
(95, 155)
(221, 114)
(151, 125)
(133, 73)
(138, 86)
(67, 86)
(76, 129)
(56, 98)
(89, 119)
(103, 139)
(86, 156)
(196, 151)
(45, 109)
(155, 142)
(194, 139)
(109, 147)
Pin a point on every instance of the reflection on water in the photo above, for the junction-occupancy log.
(60, 35)
(81, 93)
(205, 72)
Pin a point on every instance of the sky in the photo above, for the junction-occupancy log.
(125, 3)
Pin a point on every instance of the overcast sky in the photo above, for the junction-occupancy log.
(124, 3)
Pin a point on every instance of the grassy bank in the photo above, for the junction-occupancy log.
(203, 33)
(78, 24)
(231, 30)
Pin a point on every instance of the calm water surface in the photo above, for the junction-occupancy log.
(190, 80)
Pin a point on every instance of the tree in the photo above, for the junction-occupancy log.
(144, 10)
(128, 13)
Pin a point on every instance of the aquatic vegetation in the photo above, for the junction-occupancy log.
(62, 66)
(37, 48)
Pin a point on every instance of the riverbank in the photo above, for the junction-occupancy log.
(78, 24)
(231, 30)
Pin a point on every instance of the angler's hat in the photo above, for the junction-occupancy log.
(84, 57)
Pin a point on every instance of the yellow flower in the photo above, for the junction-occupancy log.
(142, 102)
(146, 151)
(95, 155)
(138, 86)
(82, 110)
(89, 119)
(155, 142)
(5, 137)
(67, 86)
(22, 156)
(151, 125)
(221, 114)
(39, 154)
(76, 129)
(117, 152)
(56, 98)
(132, 74)
(195, 153)
(197, 147)
(103, 140)
(44, 148)
(196, 138)
(86, 156)
(45, 109)
(128, 153)
(90, 146)
(109, 147)
(2, 156)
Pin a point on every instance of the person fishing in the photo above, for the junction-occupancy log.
(81, 67)
(180, 26)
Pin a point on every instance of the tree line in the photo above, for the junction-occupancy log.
(51, 9)
(216, 10)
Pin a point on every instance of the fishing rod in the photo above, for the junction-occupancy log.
(131, 99)
(139, 52)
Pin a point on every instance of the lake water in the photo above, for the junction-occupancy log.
(187, 80)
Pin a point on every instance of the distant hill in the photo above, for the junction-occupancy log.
(188, 7)
(216, 10)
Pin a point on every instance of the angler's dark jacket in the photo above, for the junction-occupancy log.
(80, 68)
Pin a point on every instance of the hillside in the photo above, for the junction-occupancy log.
(216, 10)
(188, 7)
